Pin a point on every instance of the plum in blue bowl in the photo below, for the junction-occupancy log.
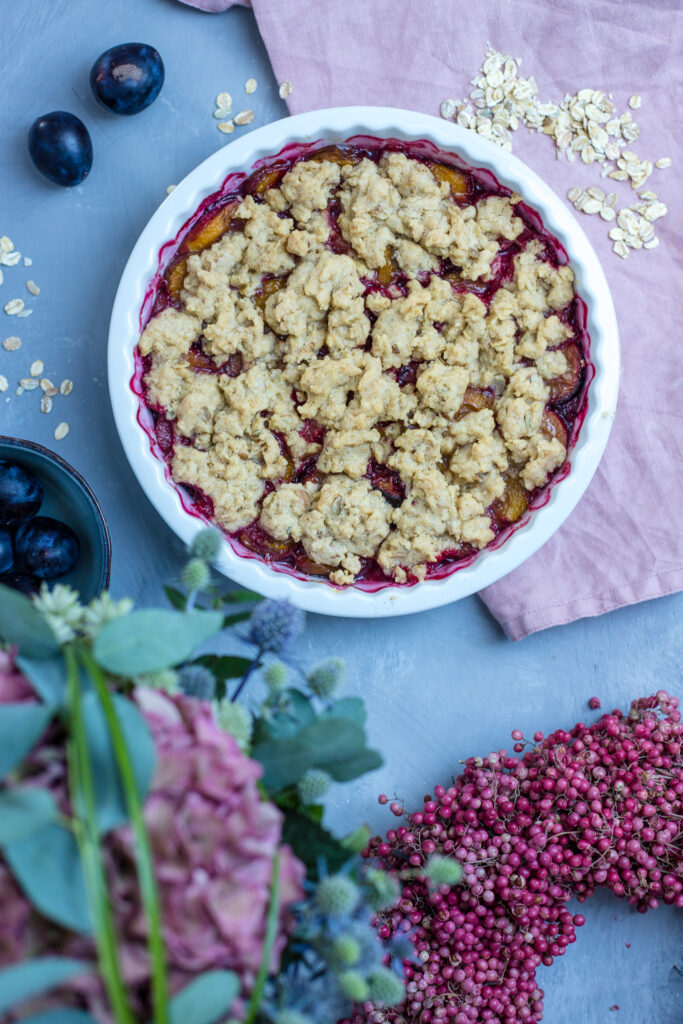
(51, 526)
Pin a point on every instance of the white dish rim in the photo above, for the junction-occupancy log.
(336, 124)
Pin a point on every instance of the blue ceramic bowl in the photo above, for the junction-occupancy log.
(68, 497)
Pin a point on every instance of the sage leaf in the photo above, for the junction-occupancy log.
(32, 977)
(47, 866)
(24, 810)
(47, 677)
(151, 640)
(205, 1000)
(23, 626)
(111, 807)
(21, 725)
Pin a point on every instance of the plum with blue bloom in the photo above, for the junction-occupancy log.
(127, 78)
(61, 148)
(46, 548)
(21, 494)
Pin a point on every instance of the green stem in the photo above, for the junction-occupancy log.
(268, 943)
(143, 851)
(86, 833)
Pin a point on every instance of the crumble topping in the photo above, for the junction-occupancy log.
(348, 370)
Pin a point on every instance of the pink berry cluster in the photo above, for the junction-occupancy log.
(599, 805)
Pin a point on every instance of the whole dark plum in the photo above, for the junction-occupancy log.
(46, 548)
(127, 78)
(6, 551)
(21, 581)
(21, 493)
(61, 148)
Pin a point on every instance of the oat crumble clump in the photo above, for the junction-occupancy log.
(298, 333)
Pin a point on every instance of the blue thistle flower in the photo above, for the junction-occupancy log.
(197, 681)
(274, 625)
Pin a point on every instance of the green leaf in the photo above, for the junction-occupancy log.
(205, 1000)
(175, 598)
(21, 725)
(310, 842)
(232, 620)
(357, 840)
(22, 625)
(241, 597)
(47, 866)
(366, 761)
(60, 1017)
(150, 640)
(111, 805)
(24, 811)
(329, 743)
(47, 677)
(298, 714)
(347, 707)
(224, 666)
(33, 977)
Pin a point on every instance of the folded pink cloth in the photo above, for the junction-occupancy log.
(624, 541)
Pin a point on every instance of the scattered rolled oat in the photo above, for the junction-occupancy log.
(224, 100)
(11, 344)
(663, 162)
(220, 113)
(170, 188)
(28, 383)
(4, 383)
(61, 430)
(2, 278)
(36, 368)
(46, 404)
(66, 387)
(46, 384)
(250, 86)
(24, 313)
(10, 259)
(285, 90)
(14, 306)
(227, 127)
(33, 287)
(28, 262)
(635, 101)
(244, 117)
(6, 244)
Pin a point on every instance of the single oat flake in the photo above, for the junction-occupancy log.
(250, 86)
(224, 100)
(36, 368)
(33, 287)
(170, 188)
(663, 162)
(4, 383)
(61, 430)
(11, 344)
(28, 384)
(66, 387)
(285, 90)
(46, 404)
(227, 127)
(14, 306)
(28, 262)
(6, 244)
(244, 117)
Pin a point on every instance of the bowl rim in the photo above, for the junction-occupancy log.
(80, 481)
(336, 124)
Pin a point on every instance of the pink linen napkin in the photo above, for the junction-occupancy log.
(624, 541)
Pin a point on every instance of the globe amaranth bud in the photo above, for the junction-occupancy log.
(354, 986)
(346, 950)
(292, 1017)
(196, 575)
(236, 720)
(274, 625)
(276, 675)
(313, 785)
(384, 889)
(442, 870)
(337, 895)
(326, 678)
(386, 988)
(206, 545)
(197, 681)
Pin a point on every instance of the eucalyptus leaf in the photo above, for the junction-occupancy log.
(21, 725)
(175, 598)
(310, 842)
(47, 677)
(224, 666)
(60, 1017)
(23, 626)
(206, 999)
(47, 866)
(150, 640)
(298, 714)
(232, 620)
(111, 808)
(348, 707)
(25, 810)
(357, 840)
(366, 761)
(33, 977)
(329, 743)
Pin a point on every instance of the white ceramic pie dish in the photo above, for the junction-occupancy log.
(336, 125)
